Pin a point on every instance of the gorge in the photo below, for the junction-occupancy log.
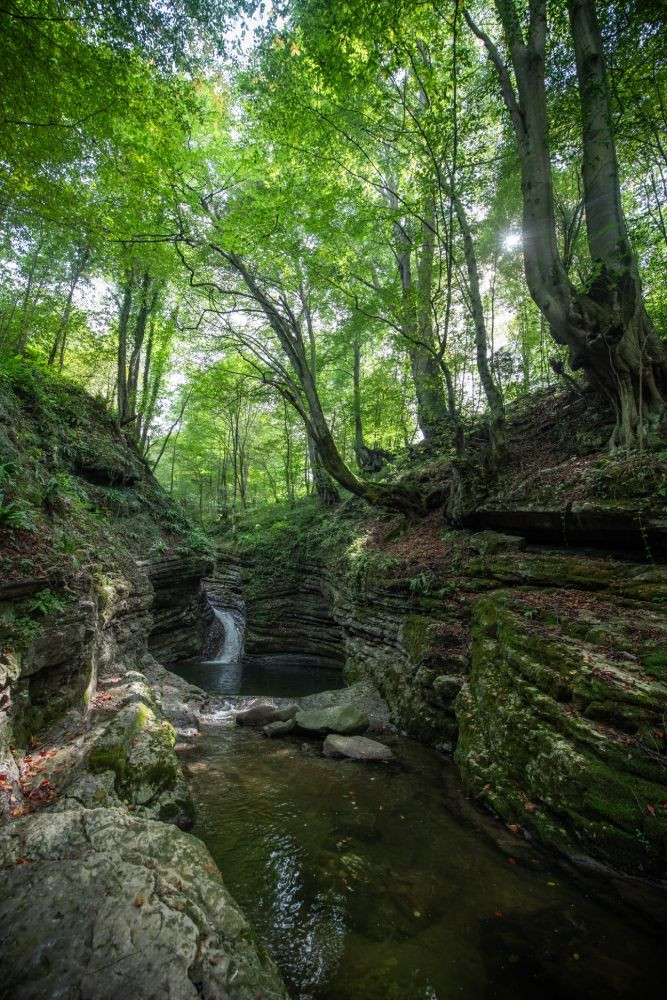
(333, 499)
(535, 666)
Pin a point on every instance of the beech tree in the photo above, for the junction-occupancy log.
(605, 327)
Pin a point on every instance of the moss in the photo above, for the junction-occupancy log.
(415, 637)
(657, 664)
(547, 570)
(536, 761)
(111, 750)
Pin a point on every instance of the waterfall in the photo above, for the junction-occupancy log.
(230, 651)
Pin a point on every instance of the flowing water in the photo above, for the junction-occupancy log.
(232, 643)
(380, 882)
(230, 673)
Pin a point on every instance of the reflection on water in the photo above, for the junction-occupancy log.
(368, 882)
(281, 676)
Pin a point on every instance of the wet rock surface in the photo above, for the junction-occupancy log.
(279, 728)
(355, 748)
(265, 713)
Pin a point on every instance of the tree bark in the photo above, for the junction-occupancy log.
(368, 459)
(121, 367)
(60, 339)
(606, 329)
(417, 327)
(497, 428)
(287, 329)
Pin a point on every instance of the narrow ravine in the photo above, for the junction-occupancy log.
(380, 882)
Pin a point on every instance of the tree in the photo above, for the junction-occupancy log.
(605, 326)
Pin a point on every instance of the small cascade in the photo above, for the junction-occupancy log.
(230, 651)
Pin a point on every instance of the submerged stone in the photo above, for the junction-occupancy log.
(344, 719)
(356, 748)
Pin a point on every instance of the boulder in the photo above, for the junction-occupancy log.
(100, 904)
(138, 748)
(264, 713)
(356, 748)
(279, 727)
(343, 719)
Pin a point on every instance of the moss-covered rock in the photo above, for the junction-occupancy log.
(344, 720)
(564, 736)
(138, 747)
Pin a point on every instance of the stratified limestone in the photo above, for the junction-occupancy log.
(100, 905)
(562, 722)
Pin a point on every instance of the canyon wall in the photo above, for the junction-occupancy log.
(543, 670)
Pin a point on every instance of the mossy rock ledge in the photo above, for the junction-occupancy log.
(561, 723)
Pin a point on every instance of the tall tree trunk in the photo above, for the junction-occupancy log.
(24, 332)
(146, 407)
(121, 367)
(606, 330)
(494, 399)
(60, 339)
(636, 375)
(149, 293)
(417, 327)
(368, 459)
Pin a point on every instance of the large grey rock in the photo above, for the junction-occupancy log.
(264, 713)
(138, 747)
(356, 748)
(98, 905)
(344, 719)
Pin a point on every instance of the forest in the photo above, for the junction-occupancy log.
(287, 243)
(333, 499)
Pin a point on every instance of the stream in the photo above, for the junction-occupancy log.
(382, 882)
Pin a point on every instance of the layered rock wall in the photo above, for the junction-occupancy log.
(543, 669)
(290, 619)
